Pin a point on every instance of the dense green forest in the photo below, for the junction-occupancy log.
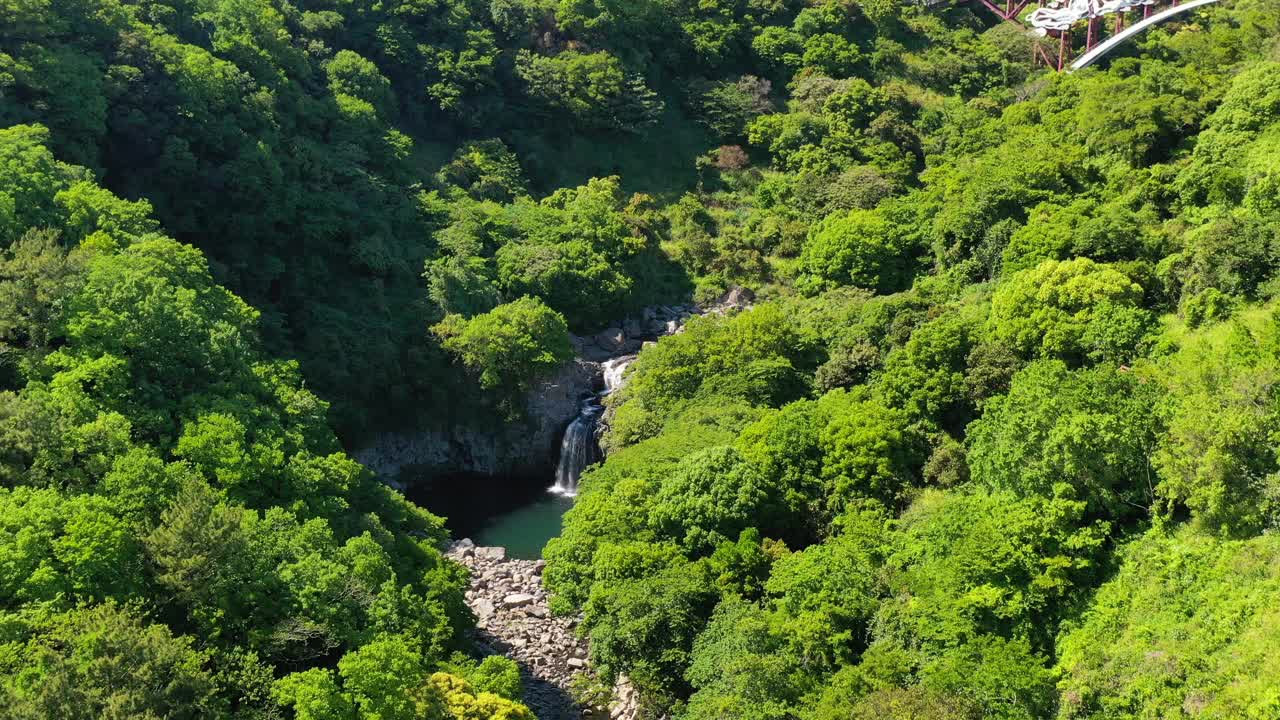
(1002, 442)
(997, 439)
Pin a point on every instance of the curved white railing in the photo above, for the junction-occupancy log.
(1064, 14)
(1103, 48)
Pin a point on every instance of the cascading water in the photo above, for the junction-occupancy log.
(578, 449)
(613, 370)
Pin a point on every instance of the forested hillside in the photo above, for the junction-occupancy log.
(1001, 442)
(997, 440)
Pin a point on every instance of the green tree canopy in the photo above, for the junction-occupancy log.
(510, 345)
(1075, 310)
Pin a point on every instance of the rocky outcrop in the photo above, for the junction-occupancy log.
(529, 446)
(626, 701)
(627, 339)
(736, 298)
(523, 447)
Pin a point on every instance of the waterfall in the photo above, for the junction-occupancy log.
(613, 370)
(578, 449)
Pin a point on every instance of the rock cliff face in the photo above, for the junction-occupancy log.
(529, 447)
(502, 448)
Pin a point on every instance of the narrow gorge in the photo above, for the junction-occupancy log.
(539, 461)
(507, 482)
(503, 550)
(513, 617)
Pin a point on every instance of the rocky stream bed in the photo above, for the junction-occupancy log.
(513, 619)
(506, 594)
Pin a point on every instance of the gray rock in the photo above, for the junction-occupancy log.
(495, 554)
(737, 297)
(488, 448)
(517, 600)
(611, 339)
(633, 328)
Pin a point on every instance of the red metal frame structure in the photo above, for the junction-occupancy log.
(1010, 11)
(1096, 30)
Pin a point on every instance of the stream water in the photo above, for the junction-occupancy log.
(516, 513)
(526, 530)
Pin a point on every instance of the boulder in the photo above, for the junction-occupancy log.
(492, 554)
(633, 329)
(737, 297)
(461, 550)
(611, 340)
(517, 600)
